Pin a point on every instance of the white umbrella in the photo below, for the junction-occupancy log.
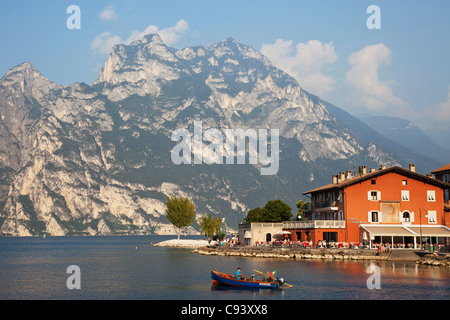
(283, 232)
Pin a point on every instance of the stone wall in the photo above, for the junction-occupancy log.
(287, 253)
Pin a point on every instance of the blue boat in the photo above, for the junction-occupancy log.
(223, 279)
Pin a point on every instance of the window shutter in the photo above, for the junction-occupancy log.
(368, 196)
(379, 195)
(400, 216)
(412, 216)
(369, 216)
(380, 216)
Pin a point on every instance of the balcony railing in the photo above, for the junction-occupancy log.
(314, 224)
(324, 204)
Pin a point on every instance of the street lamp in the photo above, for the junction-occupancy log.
(420, 219)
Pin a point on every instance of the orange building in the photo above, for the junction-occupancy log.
(393, 206)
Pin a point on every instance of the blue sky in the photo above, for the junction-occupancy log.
(401, 69)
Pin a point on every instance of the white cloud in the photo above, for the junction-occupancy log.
(305, 64)
(369, 92)
(169, 35)
(104, 42)
(108, 14)
(441, 112)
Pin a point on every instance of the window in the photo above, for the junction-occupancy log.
(432, 217)
(320, 197)
(431, 196)
(374, 216)
(405, 195)
(340, 215)
(374, 195)
(373, 181)
(406, 217)
(404, 182)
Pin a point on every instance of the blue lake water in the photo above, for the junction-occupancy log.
(128, 267)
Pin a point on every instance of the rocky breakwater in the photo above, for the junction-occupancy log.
(435, 259)
(292, 253)
(182, 243)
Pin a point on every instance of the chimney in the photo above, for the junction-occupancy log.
(341, 176)
(348, 174)
(364, 169)
(412, 167)
(383, 166)
(335, 179)
(372, 170)
(429, 175)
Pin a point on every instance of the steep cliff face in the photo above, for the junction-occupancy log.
(83, 159)
(58, 166)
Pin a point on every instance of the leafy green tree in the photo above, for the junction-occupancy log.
(254, 215)
(180, 212)
(302, 206)
(276, 211)
(210, 226)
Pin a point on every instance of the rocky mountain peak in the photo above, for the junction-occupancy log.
(23, 74)
(27, 80)
(137, 68)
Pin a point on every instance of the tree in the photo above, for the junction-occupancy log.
(210, 226)
(254, 215)
(302, 206)
(276, 211)
(180, 212)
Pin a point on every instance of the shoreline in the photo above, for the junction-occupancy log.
(425, 258)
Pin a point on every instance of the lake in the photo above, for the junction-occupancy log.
(129, 268)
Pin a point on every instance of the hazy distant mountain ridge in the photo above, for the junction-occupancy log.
(407, 134)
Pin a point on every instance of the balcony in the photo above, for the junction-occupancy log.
(314, 224)
(325, 206)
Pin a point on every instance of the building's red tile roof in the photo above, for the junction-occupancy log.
(444, 168)
(364, 177)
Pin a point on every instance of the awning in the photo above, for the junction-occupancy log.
(407, 230)
(396, 231)
(247, 235)
(431, 231)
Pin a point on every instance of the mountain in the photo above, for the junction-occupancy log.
(440, 131)
(405, 133)
(368, 134)
(97, 159)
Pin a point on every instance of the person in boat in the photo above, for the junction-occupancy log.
(269, 276)
(238, 274)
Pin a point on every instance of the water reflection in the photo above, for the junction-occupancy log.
(229, 293)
